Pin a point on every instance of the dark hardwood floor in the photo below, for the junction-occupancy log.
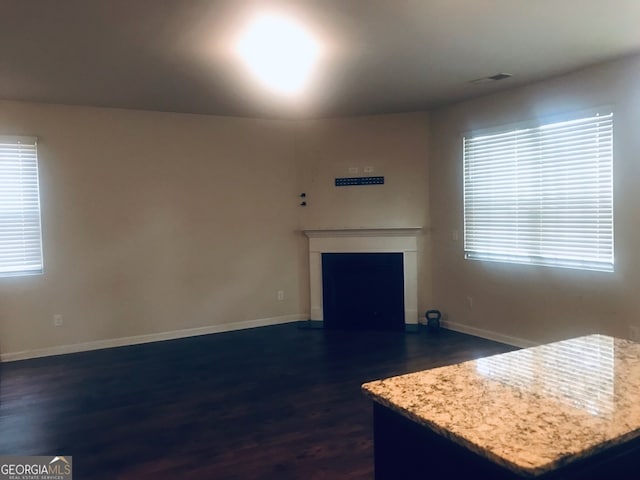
(269, 403)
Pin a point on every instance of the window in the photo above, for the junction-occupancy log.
(20, 236)
(541, 195)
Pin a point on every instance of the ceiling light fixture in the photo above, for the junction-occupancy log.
(279, 52)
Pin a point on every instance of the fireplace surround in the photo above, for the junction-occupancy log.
(365, 240)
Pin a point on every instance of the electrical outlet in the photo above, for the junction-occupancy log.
(280, 295)
(353, 170)
(454, 235)
(57, 320)
(634, 333)
(368, 169)
(469, 302)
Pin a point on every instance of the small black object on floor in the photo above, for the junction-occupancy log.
(433, 320)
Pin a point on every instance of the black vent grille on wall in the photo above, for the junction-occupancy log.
(350, 181)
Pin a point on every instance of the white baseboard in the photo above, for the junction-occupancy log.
(153, 337)
(488, 334)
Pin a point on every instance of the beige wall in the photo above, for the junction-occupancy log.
(396, 146)
(160, 222)
(527, 302)
(153, 222)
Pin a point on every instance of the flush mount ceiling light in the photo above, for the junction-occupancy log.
(279, 52)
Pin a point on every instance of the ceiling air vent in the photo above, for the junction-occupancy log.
(492, 78)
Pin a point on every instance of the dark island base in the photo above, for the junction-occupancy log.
(404, 449)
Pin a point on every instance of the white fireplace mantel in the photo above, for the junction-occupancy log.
(366, 240)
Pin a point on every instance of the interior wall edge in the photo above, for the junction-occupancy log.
(488, 334)
(149, 338)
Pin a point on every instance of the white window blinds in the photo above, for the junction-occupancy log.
(541, 195)
(20, 237)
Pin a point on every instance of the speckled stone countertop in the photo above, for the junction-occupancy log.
(530, 410)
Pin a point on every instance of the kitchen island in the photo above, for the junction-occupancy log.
(564, 410)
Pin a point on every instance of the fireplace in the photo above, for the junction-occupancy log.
(401, 242)
(363, 291)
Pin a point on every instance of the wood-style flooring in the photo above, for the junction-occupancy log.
(268, 403)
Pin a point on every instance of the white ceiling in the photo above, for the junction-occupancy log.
(381, 55)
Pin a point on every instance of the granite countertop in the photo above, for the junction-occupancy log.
(530, 410)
